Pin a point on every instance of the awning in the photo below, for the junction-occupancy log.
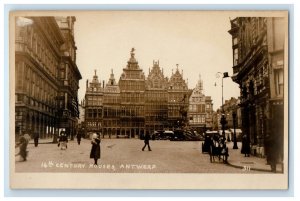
(237, 130)
(226, 131)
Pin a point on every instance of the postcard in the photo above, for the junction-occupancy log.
(148, 99)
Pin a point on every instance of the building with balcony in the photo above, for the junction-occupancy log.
(258, 67)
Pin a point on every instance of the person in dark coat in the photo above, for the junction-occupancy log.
(146, 141)
(272, 153)
(78, 137)
(63, 140)
(95, 151)
(36, 137)
(245, 146)
(23, 142)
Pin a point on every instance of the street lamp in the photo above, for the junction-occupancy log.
(234, 133)
(223, 118)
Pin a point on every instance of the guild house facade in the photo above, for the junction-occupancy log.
(138, 104)
(46, 76)
(258, 67)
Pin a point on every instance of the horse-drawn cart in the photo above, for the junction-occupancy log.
(218, 149)
(215, 145)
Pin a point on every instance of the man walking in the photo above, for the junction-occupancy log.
(146, 140)
(36, 139)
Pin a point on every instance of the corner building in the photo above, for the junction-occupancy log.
(258, 67)
(46, 75)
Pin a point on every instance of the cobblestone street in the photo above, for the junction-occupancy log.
(123, 156)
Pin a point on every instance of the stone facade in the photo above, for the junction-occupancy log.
(258, 67)
(200, 109)
(136, 104)
(46, 76)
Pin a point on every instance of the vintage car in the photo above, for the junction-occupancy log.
(178, 135)
(164, 135)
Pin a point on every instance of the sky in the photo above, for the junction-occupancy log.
(198, 41)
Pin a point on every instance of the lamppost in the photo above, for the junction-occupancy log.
(234, 133)
(223, 118)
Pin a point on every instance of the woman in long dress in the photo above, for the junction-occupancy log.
(95, 151)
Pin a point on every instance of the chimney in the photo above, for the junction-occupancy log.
(87, 83)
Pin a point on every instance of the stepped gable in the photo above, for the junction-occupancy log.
(156, 79)
(177, 82)
(132, 70)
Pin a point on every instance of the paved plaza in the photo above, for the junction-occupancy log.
(124, 156)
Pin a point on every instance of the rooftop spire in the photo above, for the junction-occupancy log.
(132, 52)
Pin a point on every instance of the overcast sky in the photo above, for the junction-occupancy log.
(198, 41)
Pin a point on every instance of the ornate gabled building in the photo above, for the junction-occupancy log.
(178, 100)
(136, 105)
(132, 91)
(94, 104)
(258, 67)
(111, 107)
(156, 100)
(200, 109)
(46, 77)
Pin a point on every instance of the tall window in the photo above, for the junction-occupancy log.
(278, 74)
(235, 56)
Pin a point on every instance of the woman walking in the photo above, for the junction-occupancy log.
(23, 142)
(95, 151)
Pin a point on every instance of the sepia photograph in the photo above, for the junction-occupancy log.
(149, 99)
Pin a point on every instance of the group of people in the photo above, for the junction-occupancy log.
(63, 143)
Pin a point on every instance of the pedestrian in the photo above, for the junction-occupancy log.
(63, 140)
(271, 144)
(36, 137)
(146, 141)
(245, 146)
(23, 142)
(78, 137)
(96, 150)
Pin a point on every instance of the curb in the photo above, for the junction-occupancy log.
(241, 167)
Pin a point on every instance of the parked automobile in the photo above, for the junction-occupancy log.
(164, 135)
(178, 135)
(193, 136)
